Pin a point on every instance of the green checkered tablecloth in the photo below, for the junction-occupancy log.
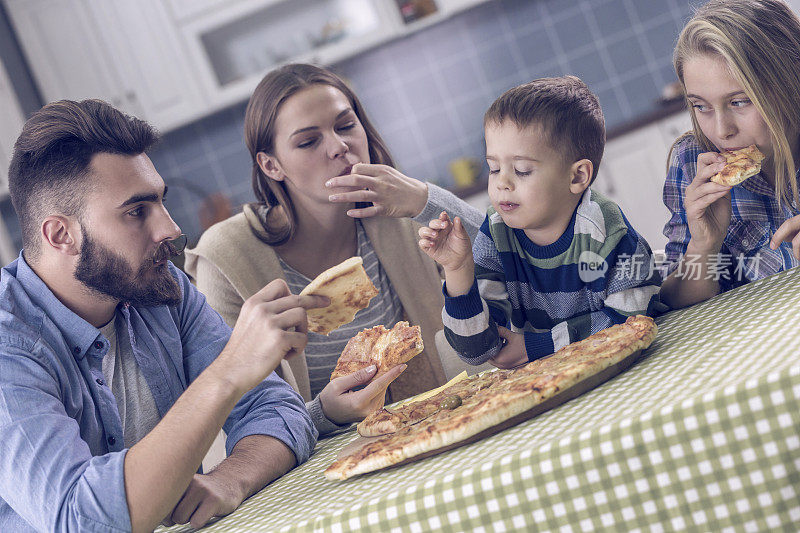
(702, 434)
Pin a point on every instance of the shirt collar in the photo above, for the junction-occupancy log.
(77, 332)
(758, 185)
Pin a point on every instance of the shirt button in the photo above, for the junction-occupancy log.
(76, 350)
(98, 345)
(111, 440)
(100, 382)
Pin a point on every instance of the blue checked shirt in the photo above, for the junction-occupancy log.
(61, 447)
(745, 254)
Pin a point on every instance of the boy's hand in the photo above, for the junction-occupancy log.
(447, 243)
(513, 353)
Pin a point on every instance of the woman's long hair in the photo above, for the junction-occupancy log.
(273, 206)
(759, 40)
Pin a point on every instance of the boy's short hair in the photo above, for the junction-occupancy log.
(48, 170)
(564, 108)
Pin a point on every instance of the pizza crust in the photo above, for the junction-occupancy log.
(495, 400)
(739, 165)
(349, 289)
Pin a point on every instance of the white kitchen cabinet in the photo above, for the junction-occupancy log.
(234, 44)
(186, 9)
(10, 126)
(633, 171)
(174, 61)
(64, 50)
(158, 81)
(127, 53)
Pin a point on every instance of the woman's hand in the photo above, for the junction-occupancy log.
(708, 205)
(343, 405)
(788, 232)
(392, 193)
(513, 353)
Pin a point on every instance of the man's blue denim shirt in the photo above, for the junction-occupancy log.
(61, 448)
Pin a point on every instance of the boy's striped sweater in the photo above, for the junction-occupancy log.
(554, 294)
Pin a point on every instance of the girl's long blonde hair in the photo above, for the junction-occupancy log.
(759, 40)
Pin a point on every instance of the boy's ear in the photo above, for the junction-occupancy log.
(59, 233)
(270, 166)
(581, 175)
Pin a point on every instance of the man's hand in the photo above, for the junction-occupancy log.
(513, 353)
(789, 231)
(342, 405)
(392, 193)
(206, 496)
(255, 461)
(273, 324)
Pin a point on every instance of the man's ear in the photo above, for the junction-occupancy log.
(270, 166)
(61, 234)
(581, 175)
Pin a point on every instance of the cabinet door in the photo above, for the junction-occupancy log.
(634, 165)
(10, 127)
(149, 56)
(185, 9)
(64, 50)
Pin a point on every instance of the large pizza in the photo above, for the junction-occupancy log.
(491, 401)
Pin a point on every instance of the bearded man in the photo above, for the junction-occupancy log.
(116, 375)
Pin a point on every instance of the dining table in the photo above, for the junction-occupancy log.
(701, 434)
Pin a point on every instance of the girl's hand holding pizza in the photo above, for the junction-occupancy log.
(708, 205)
(788, 232)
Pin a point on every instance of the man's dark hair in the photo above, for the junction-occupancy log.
(567, 112)
(51, 159)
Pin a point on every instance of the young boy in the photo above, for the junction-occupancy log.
(554, 261)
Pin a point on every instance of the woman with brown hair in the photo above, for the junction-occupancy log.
(326, 190)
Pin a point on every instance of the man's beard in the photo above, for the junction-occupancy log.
(104, 271)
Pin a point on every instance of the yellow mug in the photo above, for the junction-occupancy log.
(465, 171)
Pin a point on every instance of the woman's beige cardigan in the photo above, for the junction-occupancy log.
(234, 264)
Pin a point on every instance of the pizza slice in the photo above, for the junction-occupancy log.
(349, 289)
(739, 165)
(388, 420)
(384, 348)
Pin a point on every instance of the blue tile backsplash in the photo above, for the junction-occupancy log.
(427, 93)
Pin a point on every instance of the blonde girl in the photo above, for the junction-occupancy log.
(739, 63)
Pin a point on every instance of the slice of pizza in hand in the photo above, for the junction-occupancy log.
(739, 165)
(384, 348)
(349, 289)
